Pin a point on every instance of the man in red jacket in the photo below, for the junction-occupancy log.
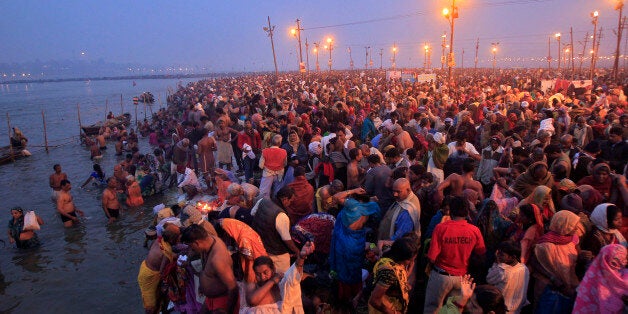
(272, 163)
(250, 137)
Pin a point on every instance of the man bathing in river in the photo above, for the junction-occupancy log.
(110, 204)
(55, 181)
(65, 205)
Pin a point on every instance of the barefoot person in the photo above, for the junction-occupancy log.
(65, 205)
(159, 256)
(55, 181)
(23, 239)
(110, 204)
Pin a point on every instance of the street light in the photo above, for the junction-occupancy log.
(394, 58)
(330, 46)
(451, 15)
(557, 36)
(594, 16)
(620, 7)
(350, 58)
(318, 68)
(426, 64)
(296, 32)
(494, 51)
(442, 51)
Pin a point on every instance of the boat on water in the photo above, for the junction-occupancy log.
(8, 155)
(121, 120)
(146, 97)
(17, 149)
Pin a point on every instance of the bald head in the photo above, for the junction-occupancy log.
(401, 189)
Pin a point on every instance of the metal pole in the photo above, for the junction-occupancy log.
(270, 30)
(43, 118)
(594, 54)
(381, 53)
(307, 56)
(620, 7)
(573, 68)
(477, 46)
(318, 68)
(301, 65)
(121, 106)
(549, 54)
(366, 58)
(584, 50)
(559, 52)
(442, 49)
(451, 61)
(350, 59)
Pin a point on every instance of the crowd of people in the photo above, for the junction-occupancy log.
(348, 192)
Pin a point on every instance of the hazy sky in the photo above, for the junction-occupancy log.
(228, 35)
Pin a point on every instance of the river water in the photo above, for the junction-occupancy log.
(91, 268)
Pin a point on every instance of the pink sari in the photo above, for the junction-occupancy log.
(604, 283)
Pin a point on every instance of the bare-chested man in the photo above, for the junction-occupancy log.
(158, 258)
(206, 149)
(355, 174)
(55, 181)
(110, 204)
(65, 205)
(217, 282)
(100, 139)
(458, 183)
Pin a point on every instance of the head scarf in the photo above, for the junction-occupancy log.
(315, 148)
(191, 216)
(525, 183)
(439, 138)
(604, 283)
(572, 202)
(353, 210)
(561, 228)
(537, 196)
(599, 218)
(590, 197)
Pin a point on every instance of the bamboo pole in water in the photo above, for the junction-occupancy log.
(78, 111)
(43, 118)
(10, 146)
(121, 106)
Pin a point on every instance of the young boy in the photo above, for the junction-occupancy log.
(510, 276)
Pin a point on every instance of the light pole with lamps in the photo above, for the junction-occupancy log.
(366, 57)
(620, 27)
(451, 16)
(442, 51)
(394, 58)
(350, 58)
(426, 65)
(318, 68)
(494, 51)
(296, 32)
(594, 15)
(557, 36)
(330, 46)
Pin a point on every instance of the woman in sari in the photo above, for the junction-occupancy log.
(537, 174)
(392, 289)
(247, 244)
(605, 283)
(607, 219)
(554, 265)
(541, 196)
(531, 221)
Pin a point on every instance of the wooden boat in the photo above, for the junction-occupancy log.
(118, 121)
(7, 155)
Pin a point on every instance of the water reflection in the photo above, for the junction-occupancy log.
(31, 260)
(75, 247)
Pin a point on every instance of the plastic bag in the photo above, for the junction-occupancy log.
(30, 221)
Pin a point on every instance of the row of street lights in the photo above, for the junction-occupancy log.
(451, 13)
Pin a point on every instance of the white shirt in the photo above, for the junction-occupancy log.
(467, 146)
(512, 281)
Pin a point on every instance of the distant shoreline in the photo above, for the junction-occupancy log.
(132, 77)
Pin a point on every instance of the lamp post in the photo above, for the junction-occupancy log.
(442, 51)
(425, 62)
(350, 58)
(394, 58)
(330, 46)
(620, 27)
(318, 68)
(270, 29)
(366, 57)
(296, 32)
(494, 51)
(451, 15)
(594, 15)
(557, 36)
